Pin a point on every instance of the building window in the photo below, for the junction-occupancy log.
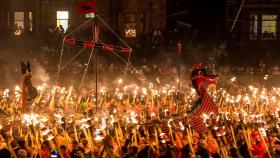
(253, 27)
(89, 15)
(19, 23)
(19, 20)
(30, 21)
(62, 20)
(269, 27)
(130, 25)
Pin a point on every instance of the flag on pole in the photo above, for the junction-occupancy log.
(207, 106)
(86, 7)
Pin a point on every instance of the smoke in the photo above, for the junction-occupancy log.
(39, 74)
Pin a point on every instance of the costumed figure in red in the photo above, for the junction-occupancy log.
(198, 77)
(28, 91)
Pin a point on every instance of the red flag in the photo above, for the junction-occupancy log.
(207, 106)
(88, 44)
(70, 41)
(126, 50)
(107, 47)
(86, 7)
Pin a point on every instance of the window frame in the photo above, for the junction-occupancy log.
(17, 21)
(130, 32)
(30, 21)
(60, 19)
(253, 26)
(269, 24)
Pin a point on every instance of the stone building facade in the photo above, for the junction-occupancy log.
(129, 18)
(258, 19)
(255, 35)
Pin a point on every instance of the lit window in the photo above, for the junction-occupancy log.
(19, 19)
(130, 25)
(62, 19)
(30, 18)
(19, 22)
(253, 27)
(90, 15)
(269, 27)
(130, 30)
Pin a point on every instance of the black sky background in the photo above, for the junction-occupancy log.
(206, 16)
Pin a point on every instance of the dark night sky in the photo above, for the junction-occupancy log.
(206, 16)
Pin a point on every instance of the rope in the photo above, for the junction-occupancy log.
(78, 27)
(75, 56)
(62, 49)
(60, 60)
(241, 6)
(85, 72)
(128, 64)
(128, 60)
(113, 31)
(126, 69)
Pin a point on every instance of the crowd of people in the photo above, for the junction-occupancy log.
(138, 110)
(150, 119)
